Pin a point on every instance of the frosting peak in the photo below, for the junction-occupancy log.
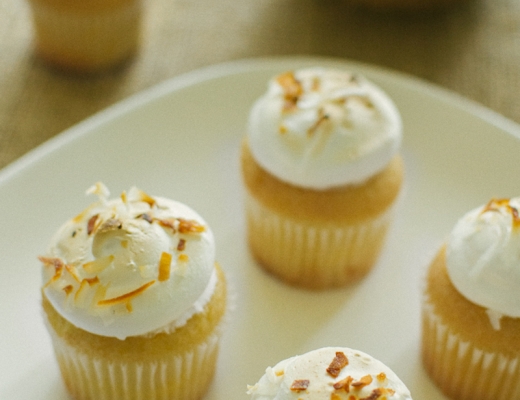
(130, 265)
(319, 128)
(483, 257)
(337, 373)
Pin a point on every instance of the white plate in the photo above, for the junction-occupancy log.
(180, 139)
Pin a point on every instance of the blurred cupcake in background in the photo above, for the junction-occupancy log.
(86, 36)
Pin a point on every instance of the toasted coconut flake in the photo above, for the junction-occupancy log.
(181, 245)
(334, 396)
(98, 265)
(73, 272)
(146, 217)
(68, 289)
(165, 264)
(376, 394)
(183, 257)
(337, 364)
(81, 216)
(146, 198)
(78, 293)
(167, 223)
(111, 225)
(279, 373)
(344, 384)
(516, 217)
(91, 224)
(316, 84)
(55, 262)
(364, 381)
(100, 294)
(300, 385)
(100, 190)
(91, 281)
(86, 281)
(125, 297)
(292, 89)
(381, 377)
(322, 117)
(190, 226)
(495, 204)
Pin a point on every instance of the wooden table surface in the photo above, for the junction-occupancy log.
(472, 49)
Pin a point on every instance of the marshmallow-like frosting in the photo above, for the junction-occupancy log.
(483, 257)
(319, 128)
(130, 266)
(330, 373)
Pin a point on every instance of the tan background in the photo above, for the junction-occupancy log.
(473, 49)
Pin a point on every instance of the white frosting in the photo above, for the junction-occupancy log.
(129, 294)
(319, 128)
(483, 257)
(312, 367)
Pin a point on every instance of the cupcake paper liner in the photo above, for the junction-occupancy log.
(178, 376)
(462, 370)
(313, 255)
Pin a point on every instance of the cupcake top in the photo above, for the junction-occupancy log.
(130, 265)
(483, 257)
(319, 128)
(330, 373)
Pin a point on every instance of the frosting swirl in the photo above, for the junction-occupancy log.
(329, 373)
(483, 257)
(319, 128)
(130, 265)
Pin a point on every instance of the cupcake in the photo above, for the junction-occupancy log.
(322, 169)
(134, 300)
(471, 310)
(330, 373)
(88, 35)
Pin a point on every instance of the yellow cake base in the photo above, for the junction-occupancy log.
(178, 365)
(86, 37)
(318, 239)
(462, 353)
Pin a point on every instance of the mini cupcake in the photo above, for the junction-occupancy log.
(88, 35)
(330, 373)
(134, 300)
(321, 168)
(471, 311)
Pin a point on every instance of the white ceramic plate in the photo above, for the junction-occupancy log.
(180, 139)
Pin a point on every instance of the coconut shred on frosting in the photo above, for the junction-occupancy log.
(319, 128)
(483, 258)
(131, 265)
(330, 373)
